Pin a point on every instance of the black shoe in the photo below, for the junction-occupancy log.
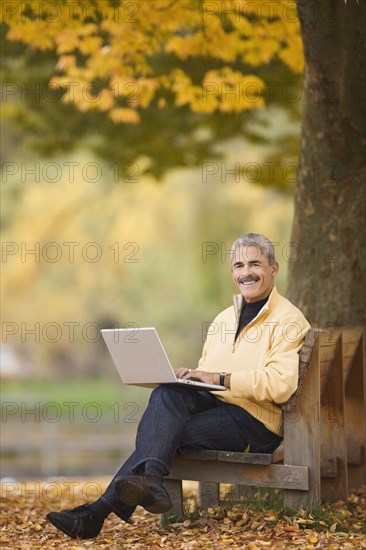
(146, 491)
(78, 522)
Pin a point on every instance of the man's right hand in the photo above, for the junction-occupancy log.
(198, 375)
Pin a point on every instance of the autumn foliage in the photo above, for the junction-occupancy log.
(120, 57)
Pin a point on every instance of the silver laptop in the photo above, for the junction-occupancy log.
(142, 361)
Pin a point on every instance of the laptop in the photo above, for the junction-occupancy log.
(141, 360)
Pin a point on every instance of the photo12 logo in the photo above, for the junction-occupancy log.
(68, 251)
(69, 172)
(53, 12)
(68, 331)
(291, 252)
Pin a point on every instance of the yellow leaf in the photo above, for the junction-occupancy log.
(65, 62)
(129, 116)
(305, 521)
(67, 41)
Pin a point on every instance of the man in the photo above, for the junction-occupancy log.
(252, 348)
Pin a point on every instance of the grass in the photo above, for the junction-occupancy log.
(105, 392)
(336, 517)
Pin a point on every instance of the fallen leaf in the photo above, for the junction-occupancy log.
(305, 521)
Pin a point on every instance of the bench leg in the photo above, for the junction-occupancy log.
(174, 488)
(356, 418)
(333, 437)
(209, 494)
(302, 438)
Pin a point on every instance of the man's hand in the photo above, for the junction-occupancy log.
(201, 376)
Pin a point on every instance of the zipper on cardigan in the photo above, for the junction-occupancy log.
(237, 313)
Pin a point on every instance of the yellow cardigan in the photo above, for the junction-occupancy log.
(263, 361)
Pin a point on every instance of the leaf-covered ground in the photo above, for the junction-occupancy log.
(24, 506)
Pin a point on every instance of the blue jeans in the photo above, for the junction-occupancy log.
(177, 418)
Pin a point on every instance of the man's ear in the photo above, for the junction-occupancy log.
(232, 275)
(275, 268)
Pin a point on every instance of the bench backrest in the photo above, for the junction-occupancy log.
(305, 354)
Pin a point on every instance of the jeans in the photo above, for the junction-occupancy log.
(177, 418)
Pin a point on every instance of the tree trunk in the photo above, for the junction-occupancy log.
(327, 270)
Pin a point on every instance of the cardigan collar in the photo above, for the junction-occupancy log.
(239, 302)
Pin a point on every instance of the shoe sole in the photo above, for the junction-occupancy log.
(133, 494)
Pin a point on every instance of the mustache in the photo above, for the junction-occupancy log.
(248, 279)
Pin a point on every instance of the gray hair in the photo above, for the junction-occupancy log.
(260, 241)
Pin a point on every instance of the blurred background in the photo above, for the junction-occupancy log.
(110, 225)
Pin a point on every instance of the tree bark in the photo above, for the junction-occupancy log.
(328, 267)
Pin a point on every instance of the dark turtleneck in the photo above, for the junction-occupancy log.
(248, 312)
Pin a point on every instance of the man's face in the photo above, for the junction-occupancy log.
(252, 274)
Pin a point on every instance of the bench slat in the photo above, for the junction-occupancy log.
(305, 355)
(280, 476)
(226, 456)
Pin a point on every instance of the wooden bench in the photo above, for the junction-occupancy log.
(322, 455)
